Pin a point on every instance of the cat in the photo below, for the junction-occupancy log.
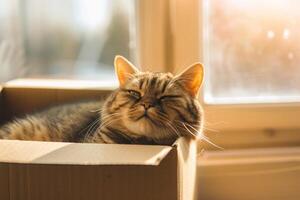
(147, 108)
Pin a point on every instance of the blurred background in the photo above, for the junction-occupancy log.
(256, 44)
(251, 53)
(73, 39)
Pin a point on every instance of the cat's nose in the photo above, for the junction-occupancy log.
(147, 105)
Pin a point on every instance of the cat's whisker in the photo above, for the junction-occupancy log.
(210, 142)
(104, 120)
(189, 130)
(199, 133)
(108, 121)
(176, 131)
(106, 125)
(169, 123)
(92, 127)
(202, 136)
(210, 129)
(197, 130)
(108, 117)
(207, 126)
(88, 126)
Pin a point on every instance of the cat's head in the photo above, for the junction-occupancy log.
(159, 107)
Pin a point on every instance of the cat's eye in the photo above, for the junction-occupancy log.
(168, 97)
(134, 94)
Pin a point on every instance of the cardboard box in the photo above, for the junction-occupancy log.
(33, 170)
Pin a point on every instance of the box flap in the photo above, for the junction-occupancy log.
(61, 84)
(33, 152)
(36, 94)
(187, 151)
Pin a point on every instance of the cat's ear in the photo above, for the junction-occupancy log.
(124, 69)
(192, 78)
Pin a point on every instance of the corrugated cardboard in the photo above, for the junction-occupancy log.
(33, 170)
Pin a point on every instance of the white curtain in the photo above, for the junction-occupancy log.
(11, 46)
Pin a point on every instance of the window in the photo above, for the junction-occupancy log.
(74, 39)
(252, 51)
(251, 92)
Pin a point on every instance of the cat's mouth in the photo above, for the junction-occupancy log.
(146, 117)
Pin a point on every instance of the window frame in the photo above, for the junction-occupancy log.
(257, 118)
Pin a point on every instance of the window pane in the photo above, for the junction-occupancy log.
(64, 39)
(252, 51)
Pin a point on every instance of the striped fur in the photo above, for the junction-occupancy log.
(147, 108)
(65, 123)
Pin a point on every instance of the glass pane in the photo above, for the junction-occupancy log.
(252, 51)
(74, 39)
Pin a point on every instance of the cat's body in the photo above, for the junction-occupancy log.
(64, 123)
(147, 108)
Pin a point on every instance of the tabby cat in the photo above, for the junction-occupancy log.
(147, 108)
